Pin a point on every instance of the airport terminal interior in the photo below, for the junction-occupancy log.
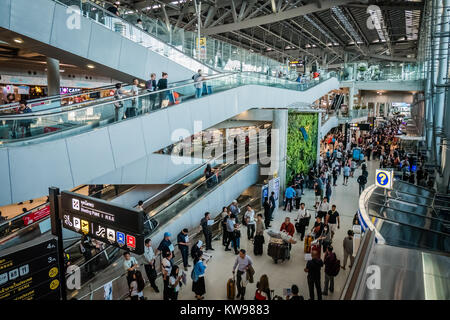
(224, 150)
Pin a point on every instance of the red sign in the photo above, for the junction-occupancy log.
(131, 241)
(36, 215)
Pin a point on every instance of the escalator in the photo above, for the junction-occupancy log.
(25, 226)
(168, 216)
(161, 208)
(100, 131)
(92, 35)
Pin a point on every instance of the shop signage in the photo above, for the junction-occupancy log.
(30, 271)
(104, 221)
(65, 90)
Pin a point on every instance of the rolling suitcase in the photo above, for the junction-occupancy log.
(258, 245)
(308, 240)
(231, 289)
(278, 251)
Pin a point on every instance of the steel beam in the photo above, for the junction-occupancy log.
(271, 18)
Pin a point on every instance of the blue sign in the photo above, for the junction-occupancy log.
(382, 178)
(120, 238)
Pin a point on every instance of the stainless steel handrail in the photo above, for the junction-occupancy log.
(111, 100)
(42, 113)
(13, 105)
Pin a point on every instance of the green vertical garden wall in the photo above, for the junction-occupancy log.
(301, 153)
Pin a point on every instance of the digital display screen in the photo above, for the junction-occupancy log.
(30, 272)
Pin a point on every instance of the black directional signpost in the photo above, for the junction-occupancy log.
(102, 220)
(31, 271)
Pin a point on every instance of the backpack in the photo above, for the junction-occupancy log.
(335, 268)
(362, 179)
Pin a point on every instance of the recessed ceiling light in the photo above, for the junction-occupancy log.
(90, 66)
(18, 40)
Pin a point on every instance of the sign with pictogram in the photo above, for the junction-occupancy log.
(384, 178)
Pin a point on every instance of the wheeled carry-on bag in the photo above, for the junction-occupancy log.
(308, 240)
(231, 289)
(258, 245)
(278, 251)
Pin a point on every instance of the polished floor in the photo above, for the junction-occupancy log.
(283, 274)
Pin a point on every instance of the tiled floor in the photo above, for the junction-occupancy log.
(283, 274)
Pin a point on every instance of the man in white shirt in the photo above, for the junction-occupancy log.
(166, 267)
(303, 220)
(250, 218)
(149, 265)
(323, 209)
(198, 78)
(130, 264)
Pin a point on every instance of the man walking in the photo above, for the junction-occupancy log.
(346, 174)
(348, 249)
(332, 220)
(183, 245)
(207, 232)
(289, 195)
(331, 264)
(231, 237)
(362, 180)
(243, 262)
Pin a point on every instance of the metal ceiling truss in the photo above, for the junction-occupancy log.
(294, 29)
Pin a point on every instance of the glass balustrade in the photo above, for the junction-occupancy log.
(178, 44)
(74, 119)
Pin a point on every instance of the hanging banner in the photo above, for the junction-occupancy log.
(201, 48)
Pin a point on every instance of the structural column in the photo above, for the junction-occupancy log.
(53, 77)
(442, 72)
(280, 124)
(351, 97)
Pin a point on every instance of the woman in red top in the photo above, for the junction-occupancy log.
(288, 227)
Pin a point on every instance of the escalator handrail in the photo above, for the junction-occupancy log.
(13, 105)
(143, 94)
(87, 104)
(357, 271)
(83, 105)
(105, 11)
